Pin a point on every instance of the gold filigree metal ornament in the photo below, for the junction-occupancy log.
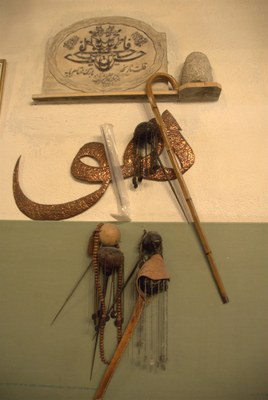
(101, 174)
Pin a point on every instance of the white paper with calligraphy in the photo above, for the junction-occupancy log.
(101, 55)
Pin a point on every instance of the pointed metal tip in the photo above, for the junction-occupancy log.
(54, 319)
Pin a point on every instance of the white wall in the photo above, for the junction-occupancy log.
(229, 179)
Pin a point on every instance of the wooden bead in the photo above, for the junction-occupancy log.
(109, 235)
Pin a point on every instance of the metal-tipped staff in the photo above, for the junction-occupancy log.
(199, 230)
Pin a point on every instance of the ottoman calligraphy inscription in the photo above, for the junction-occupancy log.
(103, 55)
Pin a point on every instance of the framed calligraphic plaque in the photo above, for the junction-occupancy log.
(102, 55)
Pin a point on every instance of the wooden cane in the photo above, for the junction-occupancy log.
(199, 230)
(108, 374)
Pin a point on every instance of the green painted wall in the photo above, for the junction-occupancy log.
(216, 351)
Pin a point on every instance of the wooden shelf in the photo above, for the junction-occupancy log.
(189, 92)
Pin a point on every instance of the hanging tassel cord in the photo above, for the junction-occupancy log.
(121, 291)
(172, 157)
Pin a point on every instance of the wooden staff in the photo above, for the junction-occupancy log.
(108, 374)
(181, 181)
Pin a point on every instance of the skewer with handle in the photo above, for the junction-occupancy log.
(199, 230)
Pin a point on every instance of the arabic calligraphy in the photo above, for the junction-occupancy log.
(134, 68)
(104, 54)
(101, 174)
(89, 71)
(104, 46)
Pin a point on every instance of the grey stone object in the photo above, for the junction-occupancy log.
(196, 68)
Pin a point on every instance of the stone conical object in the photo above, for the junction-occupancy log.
(196, 68)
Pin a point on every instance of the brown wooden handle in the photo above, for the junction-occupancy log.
(199, 230)
(120, 349)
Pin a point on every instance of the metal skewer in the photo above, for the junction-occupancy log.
(70, 295)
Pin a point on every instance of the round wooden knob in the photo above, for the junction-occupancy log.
(109, 235)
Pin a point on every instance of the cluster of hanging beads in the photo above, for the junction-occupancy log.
(146, 161)
(108, 267)
(150, 344)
